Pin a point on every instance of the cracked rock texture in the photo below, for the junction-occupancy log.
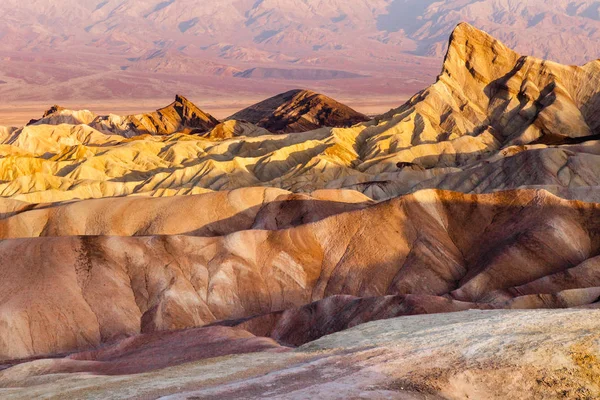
(474, 354)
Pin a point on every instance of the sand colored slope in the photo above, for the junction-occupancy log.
(55, 163)
(211, 214)
(424, 244)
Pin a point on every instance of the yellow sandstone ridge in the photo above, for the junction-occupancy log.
(494, 120)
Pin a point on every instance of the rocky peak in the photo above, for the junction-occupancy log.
(189, 114)
(299, 110)
(183, 100)
(476, 52)
(52, 110)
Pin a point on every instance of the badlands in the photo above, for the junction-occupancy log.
(447, 249)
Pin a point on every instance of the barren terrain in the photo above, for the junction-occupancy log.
(448, 248)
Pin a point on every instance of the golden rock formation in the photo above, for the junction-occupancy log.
(494, 120)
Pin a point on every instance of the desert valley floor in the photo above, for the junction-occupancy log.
(447, 249)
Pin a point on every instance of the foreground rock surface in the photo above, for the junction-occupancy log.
(474, 354)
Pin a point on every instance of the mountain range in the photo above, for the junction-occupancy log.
(240, 50)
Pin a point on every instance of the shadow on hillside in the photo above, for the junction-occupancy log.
(275, 215)
(406, 256)
(515, 240)
(261, 171)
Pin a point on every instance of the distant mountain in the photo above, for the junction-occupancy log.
(99, 49)
(180, 116)
(299, 111)
(293, 111)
